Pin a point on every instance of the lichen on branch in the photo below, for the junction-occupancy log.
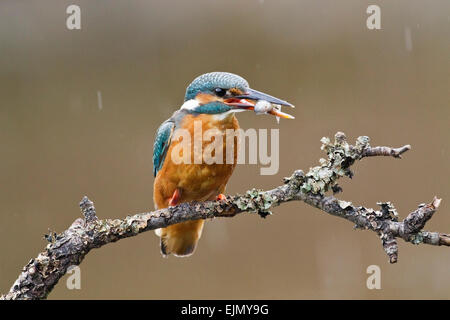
(70, 247)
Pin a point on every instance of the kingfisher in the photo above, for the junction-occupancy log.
(210, 103)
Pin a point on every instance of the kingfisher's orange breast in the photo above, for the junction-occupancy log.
(197, 181)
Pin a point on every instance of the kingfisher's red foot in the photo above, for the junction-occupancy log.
(221, 197)
(175, 198)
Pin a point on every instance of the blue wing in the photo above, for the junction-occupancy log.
(161, 145)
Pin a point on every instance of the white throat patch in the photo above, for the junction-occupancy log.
(190, 105)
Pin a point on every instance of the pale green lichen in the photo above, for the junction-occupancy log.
(362, 143)
(340, 156)
(256, 201)
(296, 179)
(344, 204)
(325, 143)
(416, 238)
(136, 225)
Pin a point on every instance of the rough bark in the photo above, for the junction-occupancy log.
(70, 247)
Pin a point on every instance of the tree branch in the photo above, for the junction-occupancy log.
(70, 247)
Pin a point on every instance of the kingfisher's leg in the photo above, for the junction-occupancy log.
(175, 198)
(221, 197)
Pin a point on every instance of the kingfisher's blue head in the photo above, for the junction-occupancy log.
(225, 93)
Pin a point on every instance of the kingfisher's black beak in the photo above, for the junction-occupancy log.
(242, 102)
(257, 95)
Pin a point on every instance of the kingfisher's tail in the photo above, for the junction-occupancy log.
(180, 239)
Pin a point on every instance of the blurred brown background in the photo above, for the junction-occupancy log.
(58, 144)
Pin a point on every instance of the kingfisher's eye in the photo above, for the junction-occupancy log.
(220, 92)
